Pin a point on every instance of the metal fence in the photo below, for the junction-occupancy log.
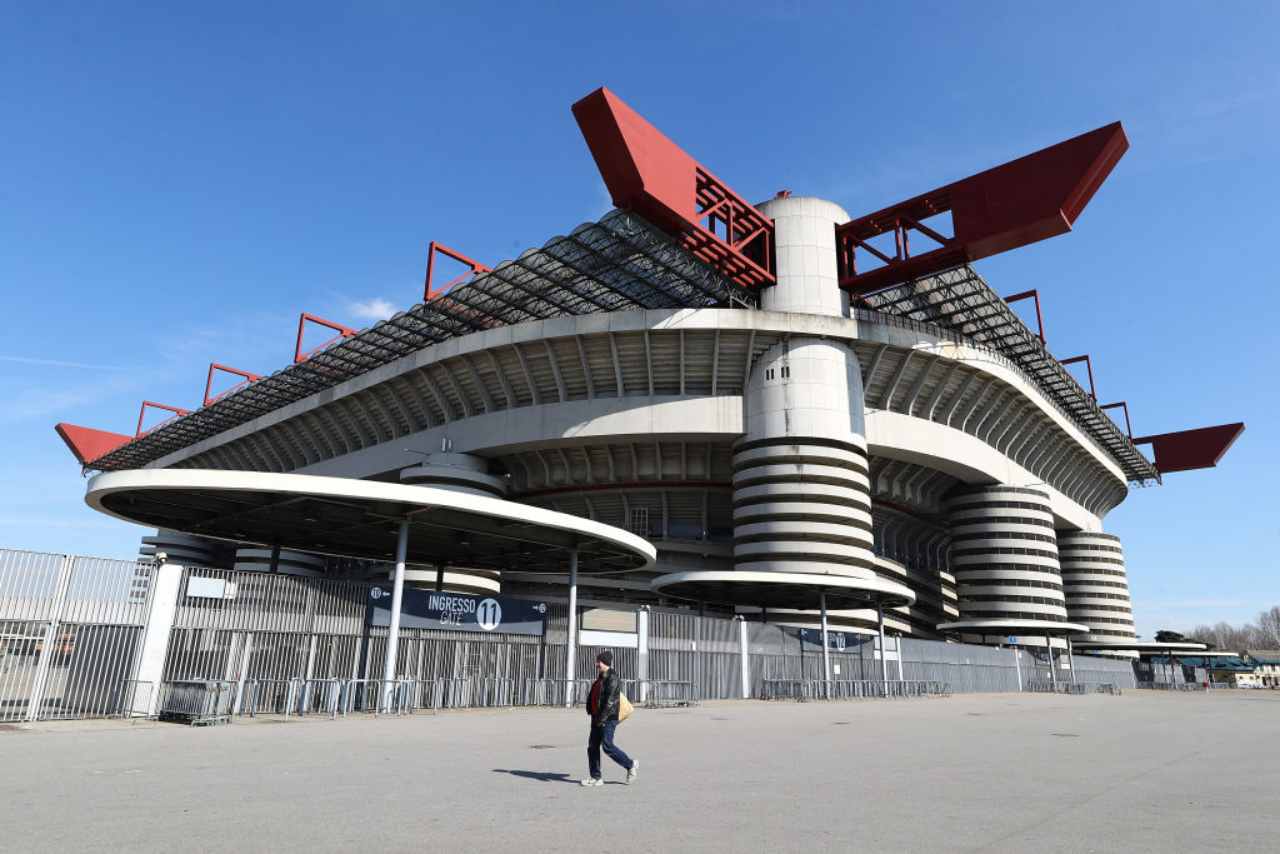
(850, 689)
(70, 631)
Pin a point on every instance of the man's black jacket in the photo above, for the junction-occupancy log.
(606, 707)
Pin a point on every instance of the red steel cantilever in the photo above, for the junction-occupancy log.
(150, 404)
(1185, 450)
(1088, 363)
(648, 173)
(1021, 202)
(430, 293)
(1035, 295)
(208, 383)
(303, 319)
(87, 443)
(1128, 427)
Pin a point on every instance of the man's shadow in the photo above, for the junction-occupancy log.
(540, 776)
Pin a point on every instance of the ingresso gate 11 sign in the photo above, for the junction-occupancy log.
(428, 609)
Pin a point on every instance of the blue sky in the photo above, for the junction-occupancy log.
(179, 184)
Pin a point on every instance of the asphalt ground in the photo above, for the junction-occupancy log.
(1143, 772)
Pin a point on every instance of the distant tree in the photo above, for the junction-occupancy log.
(1269, 627)
(1166, 636)
(1264, 634)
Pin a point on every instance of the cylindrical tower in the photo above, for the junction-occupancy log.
(1097, 589)
(287, 562)
(459, 473)
(801, 492)
(805, 245)
(1004, 555)
(185, 549)
(801, 499)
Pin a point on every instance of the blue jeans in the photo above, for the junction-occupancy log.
(602, 736)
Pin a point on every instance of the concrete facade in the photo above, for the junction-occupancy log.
(804, 436)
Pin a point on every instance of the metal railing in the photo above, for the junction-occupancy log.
(660, 693)
(1170, 686)
(267, 696)
(475, 692)
(134, 699)
(197, 701)
(553, 692)
(803, 690)
(1043, 686)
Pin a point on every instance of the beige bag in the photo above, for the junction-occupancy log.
(624, 708)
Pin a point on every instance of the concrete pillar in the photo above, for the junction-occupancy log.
(642, 651)
(1071, 660)
(397, 598)
(884, 662)
(155, 637)
(1053, 676)
(826, 652)
(571, 642)
(246, 655)
(745, 646)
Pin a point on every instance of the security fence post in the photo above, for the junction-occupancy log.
(157, 634)
(50, 638)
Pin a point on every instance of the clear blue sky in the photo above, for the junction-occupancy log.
(179, 184)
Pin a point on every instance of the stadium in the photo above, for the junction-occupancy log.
(741, 444)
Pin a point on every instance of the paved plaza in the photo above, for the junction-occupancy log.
(1143, 772)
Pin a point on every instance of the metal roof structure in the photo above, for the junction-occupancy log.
(959, 299)
(618, 263)
(622, 262)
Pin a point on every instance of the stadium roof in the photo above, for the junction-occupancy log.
(959, 299)
(621, 262)
(618, 263)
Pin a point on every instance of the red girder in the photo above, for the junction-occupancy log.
(151, 404)
(303, 319)
(1186, 450)
(245, 376)
(1088, 363)
(1035, 295)
(1021, 202)
(430, 293)
(87, 444)
(648, 173)
(1128, 426)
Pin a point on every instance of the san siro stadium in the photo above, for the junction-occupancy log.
(756, 449)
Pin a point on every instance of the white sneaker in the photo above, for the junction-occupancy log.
(592, 781)
(631, 774)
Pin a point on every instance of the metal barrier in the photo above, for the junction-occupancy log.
(1041, 686)
(1171, 686)
(552, 692)
(471, 692)
(133, 700)
(660, 693)
(268, 696)
(361, 695)
(197, 701)
(803, 690)
(317, 696)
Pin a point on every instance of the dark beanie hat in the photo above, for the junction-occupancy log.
(606, 658)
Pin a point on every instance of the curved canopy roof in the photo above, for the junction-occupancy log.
(802, 591)
(1146, 647)
(361, 518)
(1031, 628)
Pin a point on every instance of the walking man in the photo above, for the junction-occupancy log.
(602, 706)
